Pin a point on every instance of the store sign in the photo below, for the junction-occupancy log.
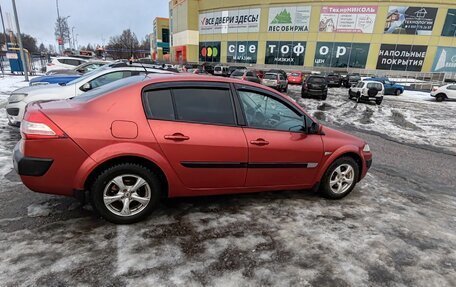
(232, 21)
(445, 60)
(289, 19)
(242, 52)
(285, 53)
(209, 52)
(347, 19)
(410, 20)
(401, 57)
(341, 55)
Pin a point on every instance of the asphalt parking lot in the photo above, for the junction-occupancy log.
(397, 228)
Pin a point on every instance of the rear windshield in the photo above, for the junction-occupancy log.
(238, 73)
(217, 68)
(355, 78)
(87, 96)
(317, 80)
(295, 74)
(270, 76)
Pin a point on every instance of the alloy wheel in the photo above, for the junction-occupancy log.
(342, 178)
(127, 195)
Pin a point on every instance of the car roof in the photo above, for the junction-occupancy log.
(70, 58)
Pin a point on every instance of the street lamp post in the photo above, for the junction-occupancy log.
(19, 40)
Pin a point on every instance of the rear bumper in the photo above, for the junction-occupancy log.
(50, 166)
(312, 92)
(30, 166)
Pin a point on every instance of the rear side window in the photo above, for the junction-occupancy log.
(160, 104)
(249, 74)
(212, 106)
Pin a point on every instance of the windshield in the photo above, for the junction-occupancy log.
(270, 76)
(238, 73)
(109, 88)
(87, 75)
(295, 74)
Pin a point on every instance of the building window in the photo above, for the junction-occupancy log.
(449, 28)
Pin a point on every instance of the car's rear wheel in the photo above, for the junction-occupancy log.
(125, 193)
(378, 102)
(324, 96)
(340, 178)
(440, 97)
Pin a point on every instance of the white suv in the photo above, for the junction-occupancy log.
(367, 90)
(20, 98)
(447, 92)
(59, 63)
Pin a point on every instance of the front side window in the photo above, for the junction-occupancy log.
(108, 78)
(264, 112)
(202, 105)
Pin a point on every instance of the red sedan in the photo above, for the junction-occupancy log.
(295, 78)
(131, 142)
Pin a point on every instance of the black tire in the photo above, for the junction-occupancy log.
(285, 89)
(350, 94)
(397, 92)
(440, 97)
(104, 178)
(378, 102)
(324, 96)
(304, 95)
(325, 187)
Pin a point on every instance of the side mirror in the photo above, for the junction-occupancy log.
(86, 87)
(314, 129)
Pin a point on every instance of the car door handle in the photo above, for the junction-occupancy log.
(259, 142)
(177, 137)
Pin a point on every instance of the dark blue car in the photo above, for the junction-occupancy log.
(391, 88)
(53, 79)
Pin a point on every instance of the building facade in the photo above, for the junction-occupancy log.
(410, 35)
(160, 39)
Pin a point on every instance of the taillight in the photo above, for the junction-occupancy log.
(37, 125)
(50, 64)
(243, 78)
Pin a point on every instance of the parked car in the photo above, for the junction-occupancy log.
(223, 71)
(276, 81)
(367, 91)
(53, 79)
(350, 80)
(58, 63)
(447, 92)
(391, 88)
(234, 68)
(79, 70)
(159, 147)
(278, 71)
(20, 98)
(295, 78)
(246, 75)
(334, 80)
(314, 86)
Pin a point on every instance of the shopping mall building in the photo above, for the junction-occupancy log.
(407, 35)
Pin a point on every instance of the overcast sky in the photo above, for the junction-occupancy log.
(94, 20)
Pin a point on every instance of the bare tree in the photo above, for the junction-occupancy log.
(42, 48)
(62, 30)
(123, 46)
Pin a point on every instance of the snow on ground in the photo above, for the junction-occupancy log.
(413, 118)
(8, 84)
(378, 235)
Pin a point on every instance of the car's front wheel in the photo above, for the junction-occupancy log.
(340, 178)
(125, 193)
(398, 92)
